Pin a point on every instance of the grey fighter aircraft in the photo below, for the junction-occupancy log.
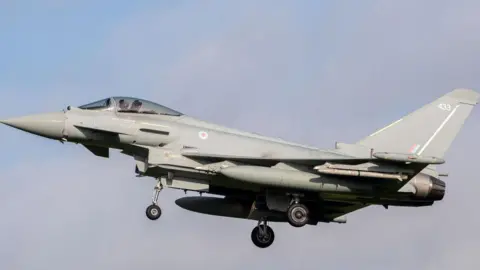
(261, 178)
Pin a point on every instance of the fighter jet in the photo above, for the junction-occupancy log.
(261, 178)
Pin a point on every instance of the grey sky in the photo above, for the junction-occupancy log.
(311, 72)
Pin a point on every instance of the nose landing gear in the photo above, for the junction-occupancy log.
(154, 211)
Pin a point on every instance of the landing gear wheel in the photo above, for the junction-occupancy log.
(297, 215)
(262, 238)
(153, 212)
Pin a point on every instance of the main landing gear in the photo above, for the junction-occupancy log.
(154, 211)
(297, 214)
(262, 235)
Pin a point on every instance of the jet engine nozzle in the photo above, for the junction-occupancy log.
(438, 189)
(428, 187)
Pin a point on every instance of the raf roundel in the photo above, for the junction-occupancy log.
(203, 135)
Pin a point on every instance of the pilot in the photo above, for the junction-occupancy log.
(122, 104)
(136, 105)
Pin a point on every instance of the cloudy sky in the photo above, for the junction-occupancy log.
(313, 72)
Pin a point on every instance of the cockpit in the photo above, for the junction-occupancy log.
(129, 105)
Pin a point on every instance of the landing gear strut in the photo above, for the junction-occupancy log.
(262, 235)
(297, 214)
(154, 211)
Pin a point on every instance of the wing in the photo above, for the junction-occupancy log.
(260, 161)
(391, 158)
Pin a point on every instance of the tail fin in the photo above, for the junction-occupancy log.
(428, 131)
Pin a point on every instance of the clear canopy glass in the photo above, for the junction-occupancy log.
(98, 105)
(130, 105)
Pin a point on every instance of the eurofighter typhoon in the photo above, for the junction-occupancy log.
(266, 179)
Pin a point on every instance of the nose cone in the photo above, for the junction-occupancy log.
(48, 125)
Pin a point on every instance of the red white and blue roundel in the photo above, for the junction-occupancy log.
(203, 135)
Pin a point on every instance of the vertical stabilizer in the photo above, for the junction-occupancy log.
(429, 130)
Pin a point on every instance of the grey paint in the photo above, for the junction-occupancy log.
(190, 154)
(48, 125)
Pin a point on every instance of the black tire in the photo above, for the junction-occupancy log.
(297, 215)
(153, 212)
(262, 241)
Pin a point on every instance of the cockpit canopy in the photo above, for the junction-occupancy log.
(129, 105)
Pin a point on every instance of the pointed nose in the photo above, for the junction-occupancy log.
(48, 125)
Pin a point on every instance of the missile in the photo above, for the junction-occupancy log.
(358, 173)
(292, 179)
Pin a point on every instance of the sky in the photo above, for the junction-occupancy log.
(313, 72)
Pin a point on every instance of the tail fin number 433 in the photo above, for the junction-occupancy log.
(445, 107)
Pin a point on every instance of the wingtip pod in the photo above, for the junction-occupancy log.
(465, 95)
